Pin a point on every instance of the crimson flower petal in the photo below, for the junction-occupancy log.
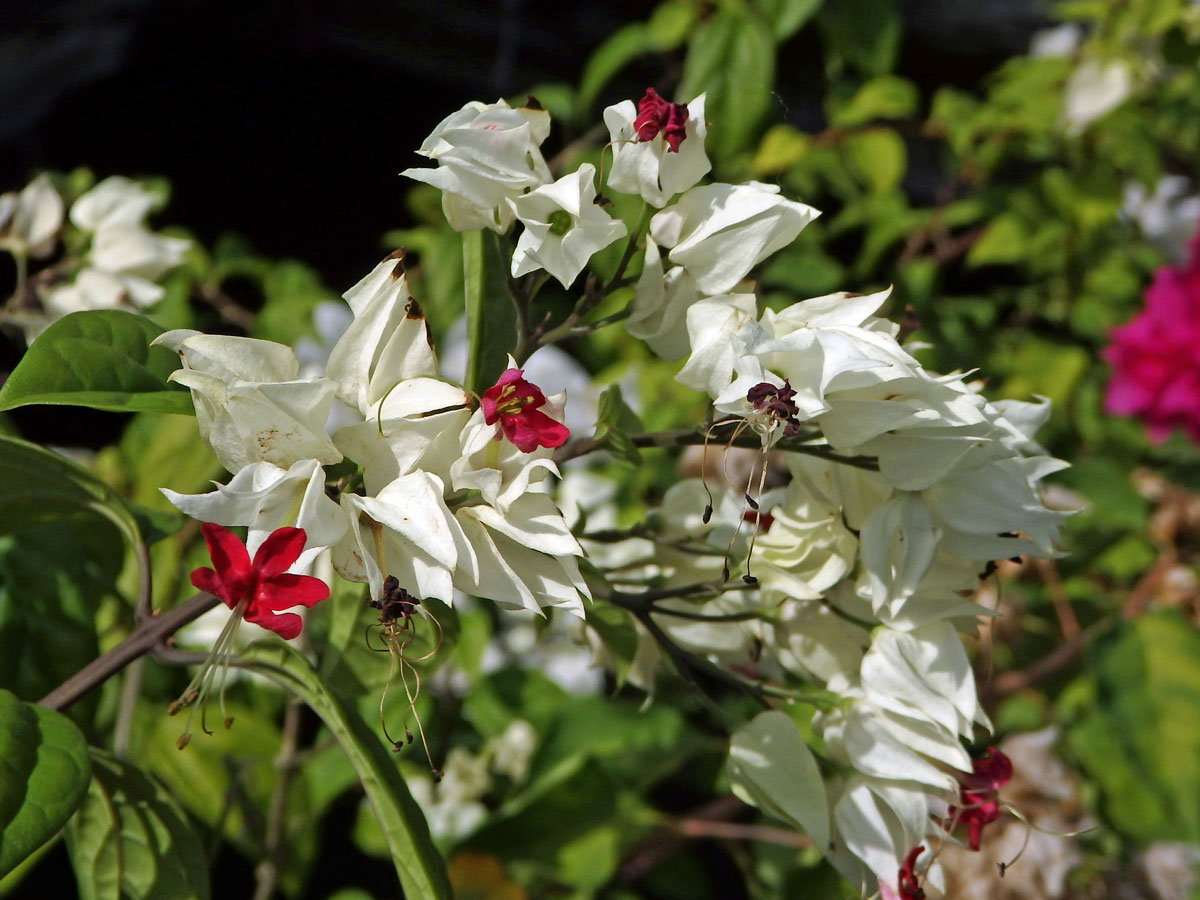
(279, 551)
(286, 625)
(228, 554)
(532, 429)
(205, 579)
(286, 591)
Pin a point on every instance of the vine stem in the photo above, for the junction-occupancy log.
(147, 637)
(687, 437)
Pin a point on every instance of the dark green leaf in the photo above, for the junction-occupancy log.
(614, 422)
(787, 16)
(130, 839)
(622, 46)
(732, 58)
(102, 359)
(38, 486)
(865, 33)
(491, 317)
(53, 579)
(43, 776)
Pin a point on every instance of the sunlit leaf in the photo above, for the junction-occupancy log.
(102, 359)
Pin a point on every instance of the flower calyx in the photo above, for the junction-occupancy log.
(776, 405)
(394, 602)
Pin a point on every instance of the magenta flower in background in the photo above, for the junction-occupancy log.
(1156, 356)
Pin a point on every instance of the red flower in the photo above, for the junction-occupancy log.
(907, 880)
(262, 587)
(516, 403)
(655, 114)
(980, 803)
(1156, 357)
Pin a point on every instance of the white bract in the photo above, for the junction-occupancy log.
(487, 154)
(650, 168)
(30, 221)
(250, 405)
(719, 232)
(563, 227)
(125, 259)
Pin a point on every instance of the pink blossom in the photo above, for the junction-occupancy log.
(1156, 356)
(515, 404)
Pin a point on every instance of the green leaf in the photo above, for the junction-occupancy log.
(865, 33)
(102, 359)
(1005, 241)
(786, 17)
(53, 578)
(884, 97)
(622, 46)
(1140, 728)
(43, 776)
(772, 768)
(614, 421)
(780, 149)
(577, 798)
(491, 316)
(732, 58)
(878, 157)
(130, 839)
(37, 486)
(421, 869)
(292, 292)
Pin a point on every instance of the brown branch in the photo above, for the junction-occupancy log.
(146, 638)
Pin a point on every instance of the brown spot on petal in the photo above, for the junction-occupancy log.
(398, 255)
(413, 309)
(531, 102)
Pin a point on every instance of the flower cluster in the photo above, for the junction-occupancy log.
(123, 260)
(1156, 357)
(881, 492)
(452, 498)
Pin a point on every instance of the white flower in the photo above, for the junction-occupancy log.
(1094, 89)
(650, 168)
(264, 497)
(563, 226)
(1167, 217)
(130, 250)
(250, 406)
(719, 232)
(487, 154)
(30, 220)
(658, 314)
(876, 823)
(406, 531)
(114, 201)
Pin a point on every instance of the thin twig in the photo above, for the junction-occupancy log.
(146, 637)
(687, 437)
(266, 873)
